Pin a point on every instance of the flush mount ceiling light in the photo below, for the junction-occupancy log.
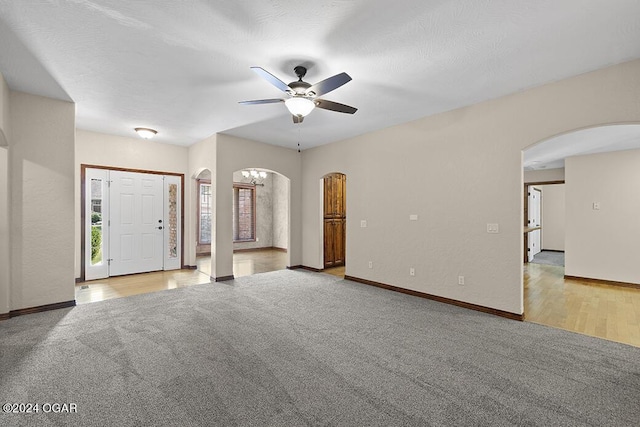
(146, 133)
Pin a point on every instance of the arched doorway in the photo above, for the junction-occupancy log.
(598, 166)
(260, 221)
(334, 219)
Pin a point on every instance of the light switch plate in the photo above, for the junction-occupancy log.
(596, 206)
(363, 223)
(493, 228)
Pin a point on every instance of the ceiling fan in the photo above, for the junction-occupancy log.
(303, 97)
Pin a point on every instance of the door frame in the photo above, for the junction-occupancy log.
(323, 219)
(83, 213)
(526, 211)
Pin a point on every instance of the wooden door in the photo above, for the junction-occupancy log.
(335, 218)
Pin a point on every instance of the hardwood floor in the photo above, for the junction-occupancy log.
(600, 310)
(336, 271)
(244, 264)
(125, 286)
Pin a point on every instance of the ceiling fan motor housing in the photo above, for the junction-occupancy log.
(299, 87)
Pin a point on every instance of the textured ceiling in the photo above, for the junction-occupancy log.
(182, 66)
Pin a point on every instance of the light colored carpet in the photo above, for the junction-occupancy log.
(549, 258)
(293, 348)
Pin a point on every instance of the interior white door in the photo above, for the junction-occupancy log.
(535, 213)
(137, 227)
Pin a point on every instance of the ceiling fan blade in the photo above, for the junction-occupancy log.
(335, 106)
(297, 119)
(327, 85)
(261, 101)
(271, 78)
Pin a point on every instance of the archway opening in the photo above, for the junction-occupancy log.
(587, 283)
(261, 221)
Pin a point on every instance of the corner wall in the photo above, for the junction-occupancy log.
(41, 168)
(235, 154)
(202, 155)
(458, 171)
(4, 197)
(603, 243)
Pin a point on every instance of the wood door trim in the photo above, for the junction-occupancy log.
(83, 214)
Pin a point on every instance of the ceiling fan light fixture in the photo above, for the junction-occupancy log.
(146, 133)
(299, 106)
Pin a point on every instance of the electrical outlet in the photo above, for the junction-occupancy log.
(257, 239)
(363, 223)
(370, 264)
(412, 271)
(460, 280)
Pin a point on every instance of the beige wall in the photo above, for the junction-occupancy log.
(553, 216)
(603, 243)
(41, 165)
(4, 230)
(457, 171)
(235, 154)
(202, 156)
(133, 153)
(280, 211)
(4, 197)
(544, 175)
(4, 112)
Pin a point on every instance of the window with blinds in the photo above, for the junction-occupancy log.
(244, 212)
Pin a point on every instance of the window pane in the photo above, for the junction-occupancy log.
(96, 221)
(243, 213)
(173, 220)
(205, 214)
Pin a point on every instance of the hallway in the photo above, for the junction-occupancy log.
(600, 310)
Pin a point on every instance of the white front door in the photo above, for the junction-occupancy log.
(137, 223)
